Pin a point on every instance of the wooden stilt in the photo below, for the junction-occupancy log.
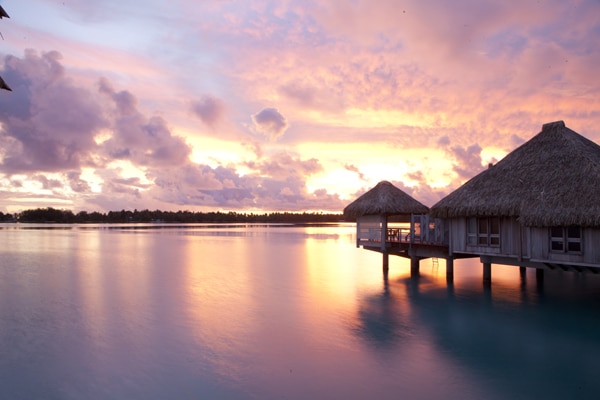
(450, 270)
(539, 275)
(414, 267)
(386, 262)
(522, 272)
(487, 272)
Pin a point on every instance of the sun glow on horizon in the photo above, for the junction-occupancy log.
(361, 118)
(216, 152)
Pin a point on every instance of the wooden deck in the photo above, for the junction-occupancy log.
(408, 243)
(400, 242)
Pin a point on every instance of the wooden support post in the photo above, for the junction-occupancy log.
(523, 275)
(414, 267)
(386, 262)
(383, 224)
(449, 269)
(539, 275)
(487, 273)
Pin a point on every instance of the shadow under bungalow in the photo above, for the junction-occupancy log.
(539, 207)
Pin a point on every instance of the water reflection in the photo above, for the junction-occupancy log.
(522, 341)
(278, 312)
(383, 317)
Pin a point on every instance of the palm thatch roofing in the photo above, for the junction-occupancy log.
(384, 199)
(3, 13)
(551, 180)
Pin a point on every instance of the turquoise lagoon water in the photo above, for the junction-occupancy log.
(278, 312)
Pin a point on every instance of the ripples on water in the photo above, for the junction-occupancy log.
(266, 311)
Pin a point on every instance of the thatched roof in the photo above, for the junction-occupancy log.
(551, 180)
(384, 199)
(3, 13)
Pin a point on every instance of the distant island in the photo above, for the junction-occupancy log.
(53, 215)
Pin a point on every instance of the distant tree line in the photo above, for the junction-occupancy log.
(47, 215)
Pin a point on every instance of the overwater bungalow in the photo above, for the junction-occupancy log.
(537, 207)
(390, 221)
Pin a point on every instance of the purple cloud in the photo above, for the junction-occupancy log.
(353, 168)
(282, 165)
(50, 123)
(468, 160)
(209, 109)
(270, 122)
(139, 139)
(303, 95)
(77, 184)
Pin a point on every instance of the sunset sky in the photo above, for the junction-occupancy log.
(287, 105)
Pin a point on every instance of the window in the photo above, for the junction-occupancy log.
(483, 231)
(557, 239)
(565, 239)
(472, 231)
(494, 227)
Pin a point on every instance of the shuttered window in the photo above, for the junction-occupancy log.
(483, 231)
(472, 231)
(565, 239)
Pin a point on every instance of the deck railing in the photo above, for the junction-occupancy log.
(393, 235)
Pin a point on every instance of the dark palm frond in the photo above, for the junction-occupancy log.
(3, 85)
(3, 13)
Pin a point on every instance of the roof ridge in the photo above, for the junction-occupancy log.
(555, 170)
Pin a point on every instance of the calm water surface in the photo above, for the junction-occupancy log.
(278, 312)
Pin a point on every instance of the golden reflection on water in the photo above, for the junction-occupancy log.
(114, 281)
(220, 297)
(90, 286)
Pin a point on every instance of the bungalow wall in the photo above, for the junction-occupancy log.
(590, 248)
(369, 228)
(524, 243)
(429, 230)
(512, 240)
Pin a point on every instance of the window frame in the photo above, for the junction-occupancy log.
(483, 231)
(472, 231)
(565, 239)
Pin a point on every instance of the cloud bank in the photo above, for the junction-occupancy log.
(281, 105)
